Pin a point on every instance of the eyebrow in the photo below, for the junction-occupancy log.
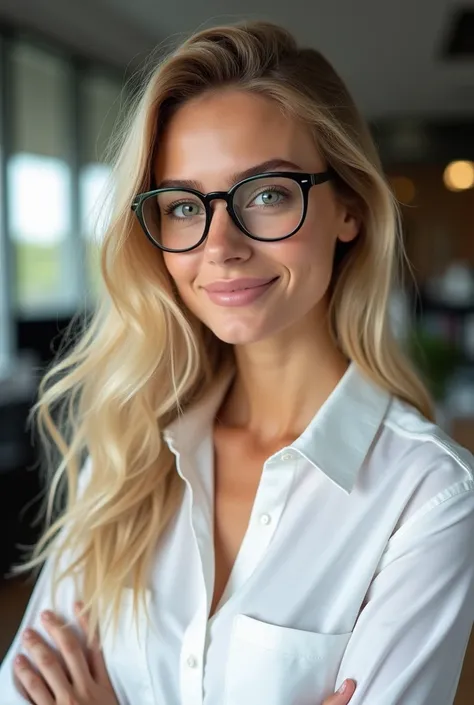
(274, 164)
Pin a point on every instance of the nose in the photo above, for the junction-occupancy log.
(225, 242)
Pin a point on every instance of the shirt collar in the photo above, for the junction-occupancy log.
(188, 428)
(337, 439)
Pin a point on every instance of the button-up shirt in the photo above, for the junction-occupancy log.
(357, 562)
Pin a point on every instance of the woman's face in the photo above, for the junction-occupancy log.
(209, 140)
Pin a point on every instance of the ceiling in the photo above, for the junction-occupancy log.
(389, 53)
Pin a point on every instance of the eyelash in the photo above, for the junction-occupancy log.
(170, 208)
(270, 189)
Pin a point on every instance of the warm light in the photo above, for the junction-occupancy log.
(404, 189)
(459, 176)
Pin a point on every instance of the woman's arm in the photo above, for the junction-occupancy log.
(409, 641)
(41, 599)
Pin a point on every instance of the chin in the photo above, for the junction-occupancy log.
(237, 339)
(239, 334)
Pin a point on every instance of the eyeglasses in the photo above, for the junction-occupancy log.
(267, 207)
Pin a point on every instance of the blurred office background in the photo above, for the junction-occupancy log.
(66, 71)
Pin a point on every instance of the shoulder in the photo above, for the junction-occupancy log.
(419, 464)
(418, 438)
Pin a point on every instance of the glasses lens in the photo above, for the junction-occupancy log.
(269, 207)
(174, 219)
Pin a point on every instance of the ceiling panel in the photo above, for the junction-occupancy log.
(389, 53)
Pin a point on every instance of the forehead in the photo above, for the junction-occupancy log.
(220, 133)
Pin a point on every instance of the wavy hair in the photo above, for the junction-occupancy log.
(142, 359)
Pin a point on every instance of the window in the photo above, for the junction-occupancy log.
(39, 184)
(101, 101)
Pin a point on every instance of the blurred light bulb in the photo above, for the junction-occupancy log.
(459, 176)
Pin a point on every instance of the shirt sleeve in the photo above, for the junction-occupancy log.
(41, 599)
(409, 641)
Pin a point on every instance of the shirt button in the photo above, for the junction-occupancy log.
(287, 456)
(192, 661)
(265, 519)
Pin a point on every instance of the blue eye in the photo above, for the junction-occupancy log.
(188, 209)
(269, 197)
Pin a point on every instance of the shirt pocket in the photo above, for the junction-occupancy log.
(125, 653)
(272, 665)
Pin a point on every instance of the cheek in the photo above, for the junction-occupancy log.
(182, 268)
(308, 253)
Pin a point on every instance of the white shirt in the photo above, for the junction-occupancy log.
(358, 562)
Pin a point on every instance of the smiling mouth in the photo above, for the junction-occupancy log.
(231, 287)
(242, 296)
(256, 286)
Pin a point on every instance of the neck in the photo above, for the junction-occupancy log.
(282, 382)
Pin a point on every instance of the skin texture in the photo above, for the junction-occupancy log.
(282, 340)
(64, 675)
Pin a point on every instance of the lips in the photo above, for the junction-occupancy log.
(237, 284)
(248, 291)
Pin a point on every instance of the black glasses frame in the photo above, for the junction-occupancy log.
(304, 180)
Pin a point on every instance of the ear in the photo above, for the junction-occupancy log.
(350, 227)
(350, 224)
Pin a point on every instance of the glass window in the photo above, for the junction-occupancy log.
(39, 183)
(101, 101)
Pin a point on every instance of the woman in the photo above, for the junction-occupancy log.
(266, 509)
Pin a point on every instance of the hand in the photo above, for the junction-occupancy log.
(80, 679)
(342, 698)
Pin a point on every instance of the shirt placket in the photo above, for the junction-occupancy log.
(192, 655)
(271, 497)
(270, 500)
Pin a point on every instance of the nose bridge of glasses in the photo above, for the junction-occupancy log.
(218, 196)
(217, 224)
(214, 197)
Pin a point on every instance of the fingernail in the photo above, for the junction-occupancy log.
(47, 616)
(343, 687)
(78, 605)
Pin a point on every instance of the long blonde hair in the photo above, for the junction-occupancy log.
(143, 358)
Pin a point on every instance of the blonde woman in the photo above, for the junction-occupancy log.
(266, 510)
